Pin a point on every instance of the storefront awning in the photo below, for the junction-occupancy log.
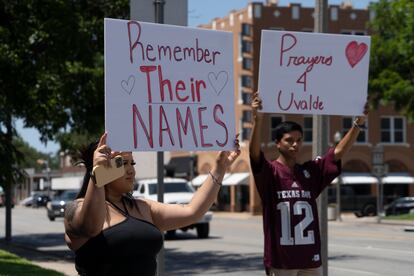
(356, 178)
(366, 178)
(236, 179)
(400, 178)
(67, 183)
(199, 180)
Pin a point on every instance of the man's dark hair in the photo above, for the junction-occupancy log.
(286, 127)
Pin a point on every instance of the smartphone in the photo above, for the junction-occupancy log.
(104, 175)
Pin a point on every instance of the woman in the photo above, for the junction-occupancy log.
(112, 233)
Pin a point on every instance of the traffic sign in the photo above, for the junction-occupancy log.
(379, 170)
(378, 155)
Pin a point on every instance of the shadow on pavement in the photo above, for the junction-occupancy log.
(182, 236)
(343, 258)
(52, 247)
(197, 263)
(39, 247)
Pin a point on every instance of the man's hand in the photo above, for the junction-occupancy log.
(360, 120)
(256, 105)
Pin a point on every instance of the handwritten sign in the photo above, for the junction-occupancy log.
(168, 87)
(309, 73)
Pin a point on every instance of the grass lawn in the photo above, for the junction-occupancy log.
(11, 264)
(402, 217)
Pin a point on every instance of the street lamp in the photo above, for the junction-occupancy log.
(337, 139)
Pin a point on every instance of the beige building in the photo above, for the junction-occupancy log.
(384, 126)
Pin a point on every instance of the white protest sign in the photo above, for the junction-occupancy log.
(167, 87)
(309, 73)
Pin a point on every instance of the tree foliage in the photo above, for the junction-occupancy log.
(51, 70)
(51, 63)
(32, 156)
(392, 59)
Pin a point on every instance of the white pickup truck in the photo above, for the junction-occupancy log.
(176, 191)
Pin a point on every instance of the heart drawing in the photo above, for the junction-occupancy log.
(355, 52)
(218, 81)
(129, 84)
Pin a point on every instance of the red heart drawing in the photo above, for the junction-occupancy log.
(355, 52)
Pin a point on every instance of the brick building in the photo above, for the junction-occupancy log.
(384, 126)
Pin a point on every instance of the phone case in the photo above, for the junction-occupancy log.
(104, 175)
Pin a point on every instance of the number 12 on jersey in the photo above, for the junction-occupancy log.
(300, 238)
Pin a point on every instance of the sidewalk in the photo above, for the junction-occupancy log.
(350, 217)
(40, 258)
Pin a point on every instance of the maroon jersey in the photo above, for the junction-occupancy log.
(290, 216)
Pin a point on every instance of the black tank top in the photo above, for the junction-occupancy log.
(127, 248)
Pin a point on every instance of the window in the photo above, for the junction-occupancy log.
(359, 33)
(247, 46)
(247, 64)
(347, 124)
(246, 133)
(276, 28)
(353, 32)
(334, 13)
(295, 12)
(247, 81)
(274, 122)
(257, 11)
(246, 98)
(392, 130)
(307, 129)
(246, 29)
(240, 48)
(247, 116)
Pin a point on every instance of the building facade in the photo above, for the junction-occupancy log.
(384, 125)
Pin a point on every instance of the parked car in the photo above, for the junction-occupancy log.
(400, 206)
(56, 207)
(176, 191)
(355, 198)
(28, 201)
(40, 200)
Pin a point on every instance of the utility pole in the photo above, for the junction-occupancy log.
(379, 170)
(159, 18)
(337, 139)
(320, 142)
(175, 13)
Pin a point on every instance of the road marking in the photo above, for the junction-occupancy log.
(388, 250)
(353, 271)
(371, 235)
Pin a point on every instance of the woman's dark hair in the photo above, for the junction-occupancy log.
(86, 158)
(286, 127)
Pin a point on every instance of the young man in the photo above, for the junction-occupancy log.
(288, 192)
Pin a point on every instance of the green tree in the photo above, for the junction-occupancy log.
(31, 156)
(51, 72)
(392, 58)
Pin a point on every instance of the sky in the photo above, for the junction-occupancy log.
(199, 12)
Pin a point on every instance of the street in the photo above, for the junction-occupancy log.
(235, 247)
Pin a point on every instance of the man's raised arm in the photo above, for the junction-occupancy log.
(255, 140)
(346, 143)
